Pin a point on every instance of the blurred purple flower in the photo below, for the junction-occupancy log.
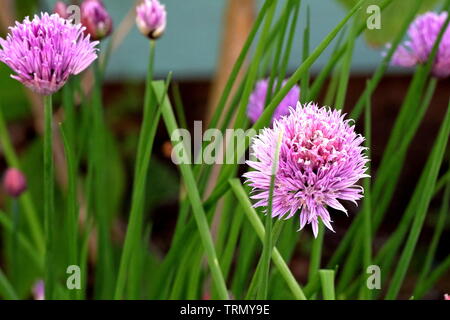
(423, 33)
(151, 18)
(46, 51)
(61, 9)
(321, 160)
(14, 182)
(258, 98)
(39, 290)
(96, 19)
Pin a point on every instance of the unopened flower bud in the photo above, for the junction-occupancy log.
(14, 182)
(96, 19)
(151, 18)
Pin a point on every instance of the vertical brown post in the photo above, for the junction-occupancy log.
(238, 20)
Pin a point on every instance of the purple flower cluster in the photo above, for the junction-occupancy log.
(258, 98)
(151, 18)
(423, 33)
(46, 51)
(321, 160)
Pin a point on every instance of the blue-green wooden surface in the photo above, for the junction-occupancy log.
(191, 43)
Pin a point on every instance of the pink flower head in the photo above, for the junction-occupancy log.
(321, 160)
(151, 18)
(96, 19)
(423, 33)
(46, 51)
(446, 297)
(258, 98)
(14, 182)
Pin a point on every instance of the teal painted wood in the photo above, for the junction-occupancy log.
(191, 43)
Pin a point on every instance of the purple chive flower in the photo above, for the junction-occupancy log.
(258, 98)
(14, 182)
(321, 160)
(39, 290)
(46, 51)
(151, 18)
(96, 19)
(423, 33)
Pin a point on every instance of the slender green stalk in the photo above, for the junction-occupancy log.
(318, 83)
(49, 198)
(268, 244)
(434, 276)
(194, 284)
(241, 118)
(332, 88)
(388, 187)
(290, 41)
(255, 287)
(389, 249)
(438, 229)
(177, 249)
(84, 248)
(179, 108)
(367, 205)
(26, 202)
(247, 254)
(148, 113)
(232, 239)
(227, 241)
(72, 205)
(194, 197)
(15, 212)
(442, 182)
(346, 66)
(316, 253)
(258, 226)
(180, 278)
(6, 289)
(338, 53)
(278, 50)
(421, 209)
(239, 62)
(145, 146)
(98, 194)
(381, 69)
(306, 40)
(414, 91)
(327, 281)
(23, 241)
(70, 117)
(229, 206)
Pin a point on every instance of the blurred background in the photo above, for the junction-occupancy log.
(201, 42)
